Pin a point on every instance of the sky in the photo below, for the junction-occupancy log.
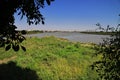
(76, 15)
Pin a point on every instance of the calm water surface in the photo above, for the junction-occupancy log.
(73, 36)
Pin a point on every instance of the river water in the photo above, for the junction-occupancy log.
(74, 36)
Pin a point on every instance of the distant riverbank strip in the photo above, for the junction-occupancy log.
(85, 32)
(99, 33)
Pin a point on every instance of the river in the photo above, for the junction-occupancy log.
(74, 36)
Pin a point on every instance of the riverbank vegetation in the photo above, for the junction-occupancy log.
(34, 32)
(98, 33)
(53, 59)
(30, 32)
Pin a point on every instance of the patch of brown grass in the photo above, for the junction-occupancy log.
(7, 59)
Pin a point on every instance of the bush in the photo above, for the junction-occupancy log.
(108, 67)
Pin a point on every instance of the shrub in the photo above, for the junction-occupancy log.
(108, 67)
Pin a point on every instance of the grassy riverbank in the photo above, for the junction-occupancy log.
(53, 59)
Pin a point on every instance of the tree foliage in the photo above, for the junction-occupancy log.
(108, 28)
(108, 67)
(9, 36)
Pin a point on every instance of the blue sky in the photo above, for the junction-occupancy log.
(76, 15)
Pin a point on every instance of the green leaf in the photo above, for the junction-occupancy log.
(43, 22)
(8, 47)
(48, 2)
(15, 47)
(23, 48)
(21, 40)
(19, 13)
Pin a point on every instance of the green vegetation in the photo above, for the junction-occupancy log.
(34, 32)
(108, 67)
(30, 32)
(99, 33)
(53, 59)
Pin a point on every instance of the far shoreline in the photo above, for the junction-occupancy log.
(84, 32)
